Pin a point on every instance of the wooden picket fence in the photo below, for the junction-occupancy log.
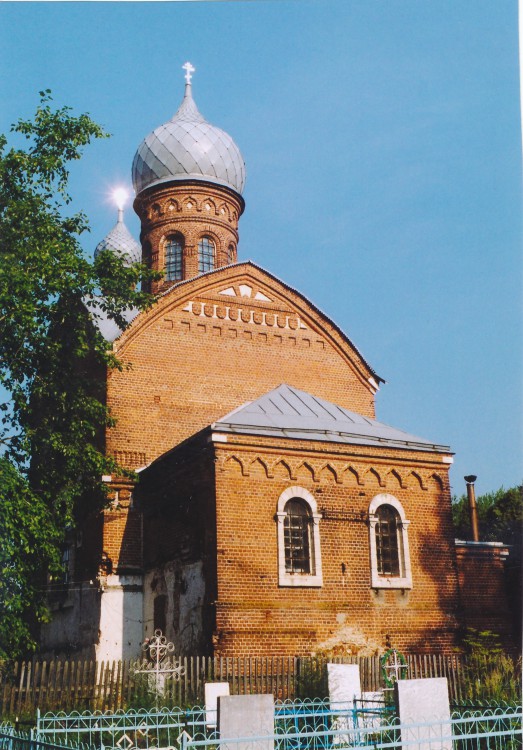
(108, 686)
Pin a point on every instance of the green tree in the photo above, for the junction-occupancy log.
(52, 360)
(500, 516)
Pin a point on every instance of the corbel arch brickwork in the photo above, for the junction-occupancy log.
(347, 474)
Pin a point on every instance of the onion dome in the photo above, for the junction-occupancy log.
(121, 242)
(188, 148)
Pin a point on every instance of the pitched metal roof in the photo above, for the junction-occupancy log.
(287, 412)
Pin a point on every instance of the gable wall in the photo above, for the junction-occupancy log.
(256, 616)
(208, 354)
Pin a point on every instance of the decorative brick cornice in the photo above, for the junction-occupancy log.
(321, 472)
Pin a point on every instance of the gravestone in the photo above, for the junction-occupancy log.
(344, 688)
(424, 712)
(212, 691)
(244, 716)
(372, 703)
(344, 683)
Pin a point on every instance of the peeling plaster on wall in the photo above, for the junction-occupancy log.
(349, 640)
(183, 585)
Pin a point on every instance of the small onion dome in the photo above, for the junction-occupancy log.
(188, 148)
(121, 242)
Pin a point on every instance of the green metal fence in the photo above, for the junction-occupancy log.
(298, 725)
(11, 739)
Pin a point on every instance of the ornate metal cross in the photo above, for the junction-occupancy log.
(189, 70)
(158, 647)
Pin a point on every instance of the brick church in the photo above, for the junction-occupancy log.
(271, 513)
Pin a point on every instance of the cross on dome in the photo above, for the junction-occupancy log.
(187, 147)
(189, 70)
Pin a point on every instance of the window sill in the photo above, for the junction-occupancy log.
(300, 580)
(381, 582)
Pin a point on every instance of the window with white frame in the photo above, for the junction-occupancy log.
(299, 554)
(389, 544)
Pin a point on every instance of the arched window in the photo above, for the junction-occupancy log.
(299, 558)
(205, 254)
(173, 259)
(230, 254)
(389, 544)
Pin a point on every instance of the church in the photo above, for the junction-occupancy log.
(270, 512)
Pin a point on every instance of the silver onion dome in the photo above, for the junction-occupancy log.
(188, 148)
(121, 242)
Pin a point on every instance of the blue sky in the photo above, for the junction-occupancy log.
(383, 151)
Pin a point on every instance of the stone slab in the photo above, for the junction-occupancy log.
(424, 713)
(243, 716)
(344, 688)
(212, 691)
(344, 683)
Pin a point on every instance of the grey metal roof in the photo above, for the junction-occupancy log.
(121, 242)
(287, 412)
(188, 147)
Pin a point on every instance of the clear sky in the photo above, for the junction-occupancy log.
(383, 151)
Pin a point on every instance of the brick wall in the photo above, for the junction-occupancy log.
(237, 539)
(256, 616)
(483, 588)
(122, 546)
(190, 210)
(176, 495)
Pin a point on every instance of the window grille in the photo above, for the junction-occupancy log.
(297, 536)
(387, 548)
(389, 544)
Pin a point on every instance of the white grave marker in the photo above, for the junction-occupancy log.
(212, 691)
(344, 687)
(244, 716)
(424, 712)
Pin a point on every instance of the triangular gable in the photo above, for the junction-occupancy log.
(261, 299)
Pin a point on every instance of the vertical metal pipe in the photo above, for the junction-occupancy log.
(473, 508)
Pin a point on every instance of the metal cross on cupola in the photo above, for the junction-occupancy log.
(189, 70)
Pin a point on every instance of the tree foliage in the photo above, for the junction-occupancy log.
(52, 359)
(500, 516)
